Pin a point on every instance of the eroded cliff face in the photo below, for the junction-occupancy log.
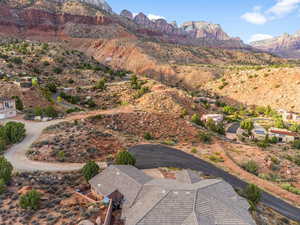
(286, 45)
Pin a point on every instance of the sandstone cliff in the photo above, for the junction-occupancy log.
(286, 45)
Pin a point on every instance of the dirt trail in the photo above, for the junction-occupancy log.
(17, 153)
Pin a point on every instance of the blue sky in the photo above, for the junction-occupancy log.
(248, 19)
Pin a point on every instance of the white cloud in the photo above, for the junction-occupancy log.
(280, 9)
(284, 7)
(155, 17)
(259, 37)
(255, 18)
(151, 16)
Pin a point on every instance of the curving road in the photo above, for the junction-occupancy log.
(153, 156)
(16, 155)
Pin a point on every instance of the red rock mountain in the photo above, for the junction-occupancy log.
(287, 46)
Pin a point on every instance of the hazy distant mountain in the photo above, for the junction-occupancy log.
(286, 45)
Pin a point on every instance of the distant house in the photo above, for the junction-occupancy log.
(289, 116)
(7, 108)
(24, 82)
(188, 200)
(283, 135)
(217, 118)
(259, 133)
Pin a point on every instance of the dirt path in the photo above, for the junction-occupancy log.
(17, 153)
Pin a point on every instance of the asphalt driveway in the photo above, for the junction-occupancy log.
(153, 156)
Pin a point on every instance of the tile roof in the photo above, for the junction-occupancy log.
(173, 202)
(286, 133)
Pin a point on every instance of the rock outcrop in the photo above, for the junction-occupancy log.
(286, 45)
(127, 14)
(202, 29)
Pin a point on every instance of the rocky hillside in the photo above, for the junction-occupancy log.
(260, 86)
(156, 48)
(286, 45)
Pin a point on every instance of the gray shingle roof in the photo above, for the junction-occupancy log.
(187, 176)
(126, 179)
(171, 202)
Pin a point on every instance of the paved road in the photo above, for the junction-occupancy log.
(153, 156)
(16, 155)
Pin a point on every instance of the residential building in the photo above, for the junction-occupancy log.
(205, 99)
(217, 118)
(283, 135)
(259, 133)
(7, 108)
(187, 200)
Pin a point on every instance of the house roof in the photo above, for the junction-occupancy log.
(173, 202)
(125, 179)
(286, 133)
(187, 176)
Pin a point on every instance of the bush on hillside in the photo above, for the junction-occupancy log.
(30, 200)
(251, 167)
(5, 169)
(125, 158)
(89, 170)
(19, 103)
(253, 194)
(12, 132)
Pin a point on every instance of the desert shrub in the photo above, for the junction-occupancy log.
(251, 167)
(101, 84)
(16, 60)
(125, 158)
(57, 70)
(76, 109)
(216, 158)
(215, 127)
(263, 144)
(50, 112)
(5, 169)
(148, 136)
(30, 200)
(296, 144)
(205, 137)
(2, 186)
(141, 92)
(197, 120)
(194, 151)
(253, 194)
(290, 188)
(19, 103)
(89, 170)
(51, 87)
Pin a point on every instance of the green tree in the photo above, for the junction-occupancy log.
(5, 169)
(2, 186)
(125, 158)
(19, 103)
(30, 200)
(253, 194)
(15, 132)
(279, 124)
(148, 136)
(2, 145)
(89, 170)
(247, 125)
(215, 127)
(229, 110)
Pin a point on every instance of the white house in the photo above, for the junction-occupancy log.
(283, 135)
(217, 118)
(7, 108)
